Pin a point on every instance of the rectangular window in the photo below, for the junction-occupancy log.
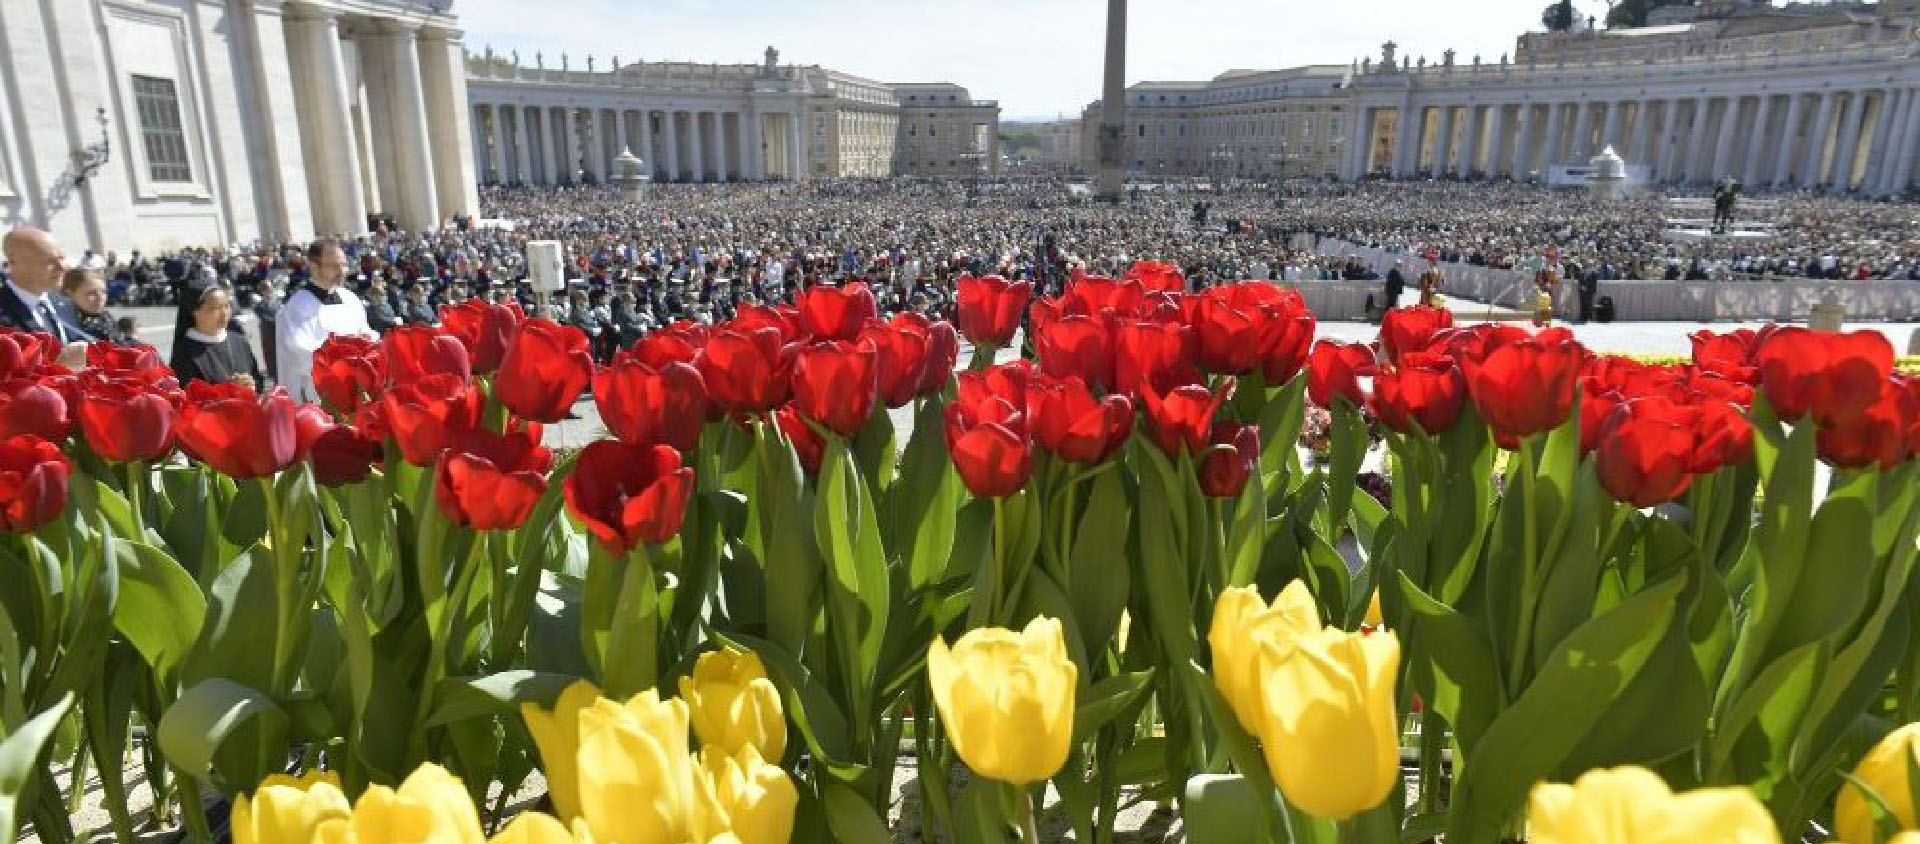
(158, 104)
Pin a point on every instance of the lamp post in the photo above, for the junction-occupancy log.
(89, 159)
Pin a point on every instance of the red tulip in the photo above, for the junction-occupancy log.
(28, 406)
(1077, 345)
(309, 423)
(237, 432)
(114, 357)
(1067, 420)
(489, 481)
(545, 370)
(427, 415)
(1405, 330)
(988, 443)
(1293, 338)
(807, 442)
(25, 351)
(628, 494)
(1645, 451)
(348, 371)
(1153, 357)
(1835, 377)
(1524, 386)
(1334, 370)
(1722, 437)
(1005, 381)
(1182, 419)
(1881, 434)
(836, 383)
(126, 421)
(484, 328)
(344, 455)
(1097, 297)
(1425, 389)
(835, 313)
(33, 483)
(750, 318)
(644, 406)
(901, 347)
(943, 353)
(1730, 355)
(412, 352)
(1233, 458)
(1231, 340)
(990, 308)
(660, 348)
(747, 371)
(1163, 276)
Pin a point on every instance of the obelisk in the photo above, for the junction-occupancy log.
(1113, 107)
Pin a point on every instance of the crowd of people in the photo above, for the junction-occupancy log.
(697, 252)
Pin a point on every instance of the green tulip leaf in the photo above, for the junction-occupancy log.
(461, 698)
(195, 726)
(160, 609)
(1218, 809)
(1098, 567)
(1466, 674)
(20, 759)
(852, 819)
(1106, 699)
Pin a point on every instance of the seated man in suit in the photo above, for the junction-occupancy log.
(34, 267)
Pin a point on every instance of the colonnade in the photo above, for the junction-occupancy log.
(1864, 139)
(565, 144)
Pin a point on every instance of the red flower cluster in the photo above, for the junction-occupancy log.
(33, 483)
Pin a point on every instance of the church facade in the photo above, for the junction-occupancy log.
(154, 124)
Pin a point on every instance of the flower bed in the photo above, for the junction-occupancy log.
(1101, 565)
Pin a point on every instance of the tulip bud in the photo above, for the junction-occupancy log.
(1243, 627)
(283, 808)
(1884, 769)
(430, 807)
(556, 733)
(1327, 720)
(1006, 699)
(745, 796)
(636, 775)
(734, 706)
(1633, 804)
(533, 828)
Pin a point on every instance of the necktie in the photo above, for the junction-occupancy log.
(51, 322)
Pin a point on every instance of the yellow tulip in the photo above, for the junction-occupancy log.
(1327, 722)
(1631, 805)
(430, 807)
(1884, 769)
(533, 828)
(734, 705)
(1243, 627)
(557, 734)
(636, 775)
(1006, 699)
(745, 796)
(287, 809)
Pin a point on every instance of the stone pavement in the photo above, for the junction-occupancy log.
(1647, 338)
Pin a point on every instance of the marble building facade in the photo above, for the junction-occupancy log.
(151, 124)
(537, 124)
(1822, 97)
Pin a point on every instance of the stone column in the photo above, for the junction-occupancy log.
(670, 123)
(443, 76)
(523, 156)
(1848, 152)
(1443, 143)
(1495, 139)
(1897, 131)
(1522, 141)
(408, 125)
(287, 205)
(569, 145)
(1814, 166)
(1555, 145)
(1610, 128)
(797, 146)
(326, 129)
(756, 163)
(1783, 160)
(1757, 141)
(1579, 151)
(620, 132)
(1470, 140)
(477, 136)
(1407, 138)
(1891, 101)
(1671, 135)
(646, 144)
(1642, 134)
(1908, 145)
(549, 171)
(1699, 147)
(696, 148)
(1722, 165)
(497, 143)
(1112, 129)
(720, 157)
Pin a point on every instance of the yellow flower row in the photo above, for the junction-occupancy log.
(618, 772)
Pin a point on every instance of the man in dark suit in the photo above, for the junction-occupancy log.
(34, 266)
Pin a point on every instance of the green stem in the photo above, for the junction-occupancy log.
(193, 813)
(136, 497)
(1529, 565)
(285, 593)
(1023, 810)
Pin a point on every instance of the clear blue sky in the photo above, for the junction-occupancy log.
(1039, 58)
